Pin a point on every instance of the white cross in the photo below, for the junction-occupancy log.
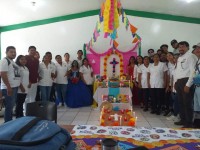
(115, 116)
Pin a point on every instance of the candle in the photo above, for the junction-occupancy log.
(135, 120)
(120, 120)
(125, 118)
(109, 118)
(134, 114)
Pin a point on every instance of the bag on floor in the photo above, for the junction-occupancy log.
(35, 134)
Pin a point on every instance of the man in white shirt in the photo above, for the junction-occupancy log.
(61, 80)
(53, 92)
(174, 44)
(80, 57)
(184, 74)
(10, 81)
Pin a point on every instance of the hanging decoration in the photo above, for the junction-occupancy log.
(109, 15)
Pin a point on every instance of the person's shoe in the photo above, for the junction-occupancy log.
(171, 118)
(179, 123)
(167, 112)
(177, 119)
(146, 109)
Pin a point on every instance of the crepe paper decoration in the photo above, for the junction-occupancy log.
(135, 40)
(133, 34)
(105, 53)
(111, 41)
(133, 28)
(106, 35)
(113, 35)
(115, 44)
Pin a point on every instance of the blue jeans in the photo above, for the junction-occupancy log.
(9, 103)
(61, 90)
(45, 93)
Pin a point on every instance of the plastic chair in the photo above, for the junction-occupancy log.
(42, 109)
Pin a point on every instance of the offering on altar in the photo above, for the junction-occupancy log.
(116, 117)
(121, 98)
(123, 117)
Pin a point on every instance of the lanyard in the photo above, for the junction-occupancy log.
(197, 66)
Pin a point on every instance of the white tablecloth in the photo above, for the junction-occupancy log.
(104, 91)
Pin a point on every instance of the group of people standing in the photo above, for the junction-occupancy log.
(169, 82)
(28, 80)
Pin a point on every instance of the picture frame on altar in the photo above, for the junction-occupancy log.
(105, 98)
(110, 98)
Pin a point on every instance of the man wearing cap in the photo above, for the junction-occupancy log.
(184, 72)
(196, 81)
(174, 44)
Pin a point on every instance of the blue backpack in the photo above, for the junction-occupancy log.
(31, 133)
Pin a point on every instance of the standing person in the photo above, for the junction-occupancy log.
(10, 80)
(196, 81)
(139, 62)
(80, 57)
(130, 76)
(61, 80)
(78, 94)
(23, 88)
(46, 73)
(37, 55)
(53, 92)
(86, 73)
(164, 48)
(142, 81)
(67, 60)
(168, 91)
(174, 44)
(32, 65)
(174, 98)
(151, 54)
(37, 98)
(157, 74)
(184, 74)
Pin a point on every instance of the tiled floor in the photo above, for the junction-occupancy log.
(89, 116)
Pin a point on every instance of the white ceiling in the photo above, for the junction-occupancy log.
(20, 11)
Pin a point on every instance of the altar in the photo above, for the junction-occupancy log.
(98, 95)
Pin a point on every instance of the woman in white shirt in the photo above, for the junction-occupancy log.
(157, 75)
(61, 80)
(46, 75)
(139, 62)
(87, 74)
(142, 81)
(23, 88)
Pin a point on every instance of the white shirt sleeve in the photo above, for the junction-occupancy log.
(135, 71)
(81, 69)
(139, 69)
(4, 65)
(192, 62)
(165, 67)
